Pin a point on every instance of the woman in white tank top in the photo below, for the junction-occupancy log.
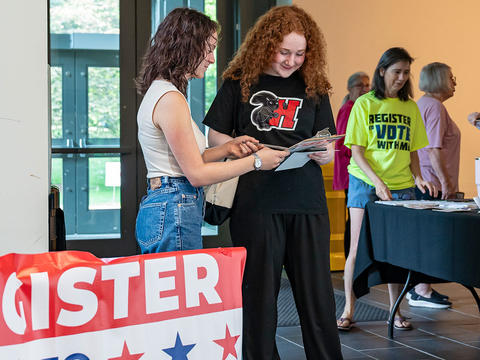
(178, 165)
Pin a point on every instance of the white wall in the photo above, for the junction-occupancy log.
(24, 127)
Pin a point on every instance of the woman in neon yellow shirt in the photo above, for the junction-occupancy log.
(385, 129)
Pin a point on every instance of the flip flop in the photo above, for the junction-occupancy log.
(404, 324)
(342, 327)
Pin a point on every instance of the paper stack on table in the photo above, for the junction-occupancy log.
(437, 205)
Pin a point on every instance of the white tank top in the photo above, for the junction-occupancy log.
(158, 156)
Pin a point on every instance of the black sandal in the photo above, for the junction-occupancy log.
(342, 327)
(404, 324)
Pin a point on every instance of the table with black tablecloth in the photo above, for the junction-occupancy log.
(431, 246)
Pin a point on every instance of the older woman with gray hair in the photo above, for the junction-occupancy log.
(440, 160)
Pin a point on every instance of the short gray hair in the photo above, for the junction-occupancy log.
(352, 80)
(355, 77)
(434, 77)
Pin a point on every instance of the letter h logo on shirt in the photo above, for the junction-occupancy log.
(272, 111)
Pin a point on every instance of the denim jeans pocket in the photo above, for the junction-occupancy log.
(150, 224)
(190, 222)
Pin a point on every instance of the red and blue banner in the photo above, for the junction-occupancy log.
(72, 305)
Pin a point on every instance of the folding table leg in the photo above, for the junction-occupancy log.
(391, 319)
(475, 295)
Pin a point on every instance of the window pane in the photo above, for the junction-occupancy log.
(89, 193)
(104, 183)
(56, 98)
(103, 102)
(84, 16)
(57, 176)
(211, 73)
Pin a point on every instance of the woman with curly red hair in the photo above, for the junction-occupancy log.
(276, 90)
(178, 165)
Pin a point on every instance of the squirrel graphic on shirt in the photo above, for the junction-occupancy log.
(266, 103)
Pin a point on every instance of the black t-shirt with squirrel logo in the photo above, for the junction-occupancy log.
(278, 113)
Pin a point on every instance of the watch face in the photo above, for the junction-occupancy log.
(258, 163)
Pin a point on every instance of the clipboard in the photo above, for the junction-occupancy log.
(295, 160)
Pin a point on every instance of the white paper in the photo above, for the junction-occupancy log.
(432, 204)
(295, 160)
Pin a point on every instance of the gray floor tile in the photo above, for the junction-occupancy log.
(447, 350)
(398, 354)
(351, 353)
(360, 338)
(289, 350)
(291, 333)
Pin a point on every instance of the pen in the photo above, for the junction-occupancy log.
(278, 147)
(275, 147)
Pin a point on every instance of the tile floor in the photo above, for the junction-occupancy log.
(437, 334)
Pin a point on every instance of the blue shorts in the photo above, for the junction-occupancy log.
(360, 193)
(170, 217)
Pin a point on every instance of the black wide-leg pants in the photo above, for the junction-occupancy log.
(300, 243)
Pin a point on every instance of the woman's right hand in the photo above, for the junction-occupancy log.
(382, 191)
(448, 191)
(271, 158)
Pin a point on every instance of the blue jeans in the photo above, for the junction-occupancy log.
(170, 217)
(360, 193)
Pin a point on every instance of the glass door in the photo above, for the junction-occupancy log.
(86, 107)
(87, 155)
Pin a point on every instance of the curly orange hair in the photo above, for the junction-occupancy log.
(261, 43)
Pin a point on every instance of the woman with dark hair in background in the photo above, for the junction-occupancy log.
(440, 160)
(276, 89)
(384, 131)
(357, 85)
(178, 165)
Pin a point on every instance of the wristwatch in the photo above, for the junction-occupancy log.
(257, 164)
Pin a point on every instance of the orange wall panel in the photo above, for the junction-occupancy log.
(358, 32)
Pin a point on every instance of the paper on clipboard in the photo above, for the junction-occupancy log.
(300, 151)
(313, 144)
(295, 160)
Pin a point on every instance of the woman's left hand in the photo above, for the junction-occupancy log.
(242, 146)
(323, 157)
(423, 186)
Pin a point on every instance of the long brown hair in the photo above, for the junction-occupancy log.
(258, 50)
(176, 49)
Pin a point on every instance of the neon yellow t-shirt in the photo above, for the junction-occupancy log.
(389, 130)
